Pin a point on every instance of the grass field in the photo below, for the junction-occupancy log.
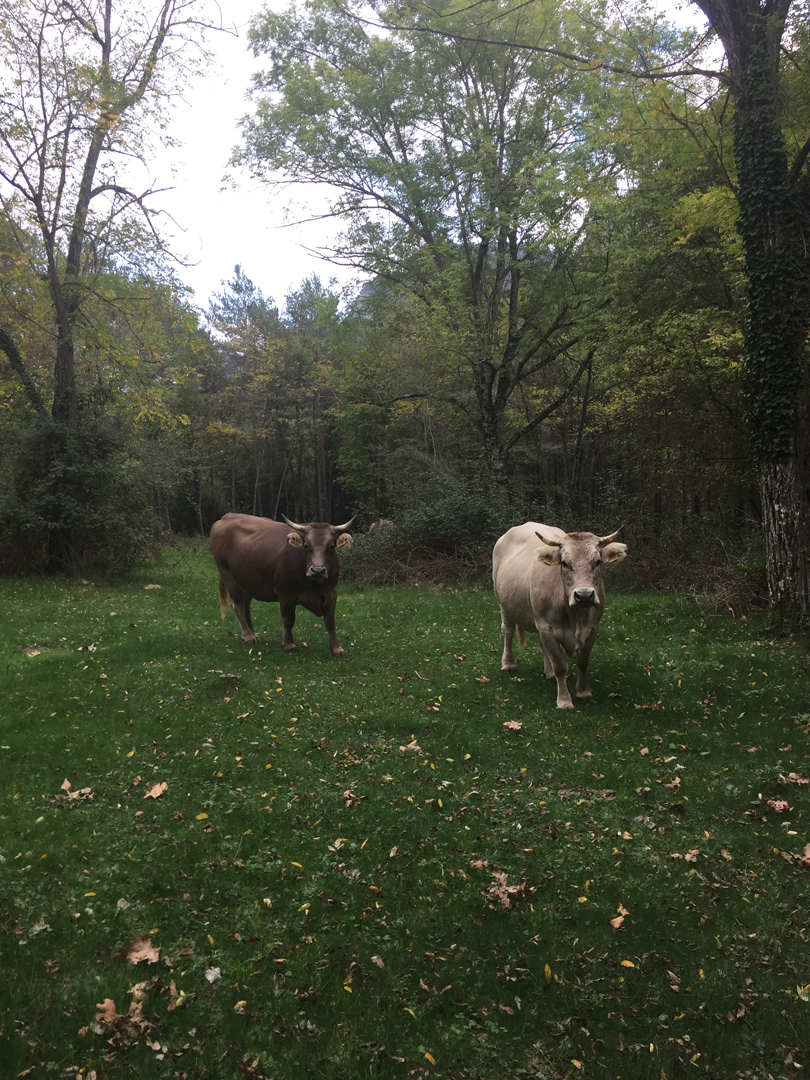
(220, 861)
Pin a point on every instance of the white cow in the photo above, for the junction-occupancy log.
(550, 583)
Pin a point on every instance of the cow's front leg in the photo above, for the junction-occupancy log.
(508, 631)
(554, 657)
(583, 658)
(288, 619)
(329, 622)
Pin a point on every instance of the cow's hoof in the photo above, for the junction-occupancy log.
(250, 640)
(508, 667)
(339, 653)
(291, 648)
(586, 696)
(569, 705)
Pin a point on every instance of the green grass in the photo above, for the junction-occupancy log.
(379, 909)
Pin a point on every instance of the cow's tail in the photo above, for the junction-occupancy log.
(521, 637)
(223, 598)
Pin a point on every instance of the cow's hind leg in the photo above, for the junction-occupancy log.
(230, 593)
(508, 631)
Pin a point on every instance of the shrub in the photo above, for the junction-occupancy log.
(71, 502)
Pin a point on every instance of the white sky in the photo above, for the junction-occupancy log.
(216, 226)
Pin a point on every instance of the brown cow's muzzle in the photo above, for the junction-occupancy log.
(317, 571)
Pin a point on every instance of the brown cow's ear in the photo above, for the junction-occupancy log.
(345, 538)
(614, 552)
(294, 539)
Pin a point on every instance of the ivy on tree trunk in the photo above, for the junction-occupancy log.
(774, 201)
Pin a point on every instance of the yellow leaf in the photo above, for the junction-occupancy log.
(576, 1064)
(701, 974)
(348, 989)
(298, 864)
(803, 992)
(628, 963)
(201, 817)
(413, 1014)
(130, 753)
(267, 901)
(548, 973)
(430, 1058)
(694, 1058)
(582, 899)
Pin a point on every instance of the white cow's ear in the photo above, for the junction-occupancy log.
(294, 539)
(548, 555)
(614, 552)
(345, 538)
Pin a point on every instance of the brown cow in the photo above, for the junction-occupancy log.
(259, 559)
(553, 588)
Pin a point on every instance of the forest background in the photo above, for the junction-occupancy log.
(557, 216)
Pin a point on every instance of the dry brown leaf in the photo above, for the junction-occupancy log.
(141, 948)
(156, 791)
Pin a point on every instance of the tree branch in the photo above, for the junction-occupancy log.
(9, 347)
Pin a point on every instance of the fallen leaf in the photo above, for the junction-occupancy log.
(156, 791)
(513, 725)
(141, 948)
(617, 922)
(213, 974)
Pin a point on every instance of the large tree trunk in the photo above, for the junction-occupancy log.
(787, 532)
(774, 201)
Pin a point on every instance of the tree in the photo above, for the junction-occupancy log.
(462, 171)
(773, 192)
(83, 87)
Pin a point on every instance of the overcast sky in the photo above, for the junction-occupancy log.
(216, 227)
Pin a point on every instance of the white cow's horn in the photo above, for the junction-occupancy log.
(300, 528)
(609, 539)
(346, 527)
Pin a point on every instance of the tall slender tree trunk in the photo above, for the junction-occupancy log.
(320, 461)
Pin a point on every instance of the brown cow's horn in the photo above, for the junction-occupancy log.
(299, 528)
(346, 527)
(609, 539)
(549, 543)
